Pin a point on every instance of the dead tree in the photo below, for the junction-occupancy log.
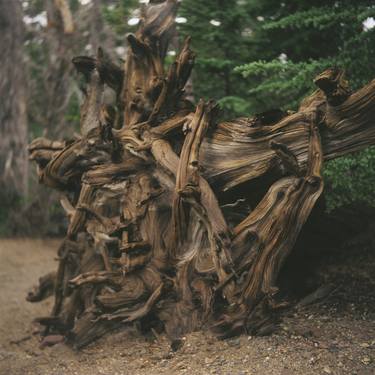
(158, 194)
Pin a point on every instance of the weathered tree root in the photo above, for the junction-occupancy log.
(158, 195)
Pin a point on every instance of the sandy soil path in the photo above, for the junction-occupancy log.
(337, 337)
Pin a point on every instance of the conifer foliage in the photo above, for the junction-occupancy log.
(294, 41)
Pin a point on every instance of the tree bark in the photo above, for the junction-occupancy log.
(57, 85)
(159, 230)
(13, 118)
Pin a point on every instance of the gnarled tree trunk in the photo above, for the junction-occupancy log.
(157, 194)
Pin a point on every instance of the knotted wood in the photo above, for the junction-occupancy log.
(158, 195)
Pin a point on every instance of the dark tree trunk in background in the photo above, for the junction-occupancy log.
(60, 38)
(13, 118)
(96, 25)
(63, 36)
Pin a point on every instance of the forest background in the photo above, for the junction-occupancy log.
(252, 56)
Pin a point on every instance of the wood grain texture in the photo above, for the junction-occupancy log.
(158, 195)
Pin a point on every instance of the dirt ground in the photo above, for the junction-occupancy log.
(336, 336)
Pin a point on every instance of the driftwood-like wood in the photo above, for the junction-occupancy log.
(159, 195)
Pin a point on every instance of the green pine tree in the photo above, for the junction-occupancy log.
(221, 37)
(294, 41)
(298, 39)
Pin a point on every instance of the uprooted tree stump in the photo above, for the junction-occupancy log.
(158, 195)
